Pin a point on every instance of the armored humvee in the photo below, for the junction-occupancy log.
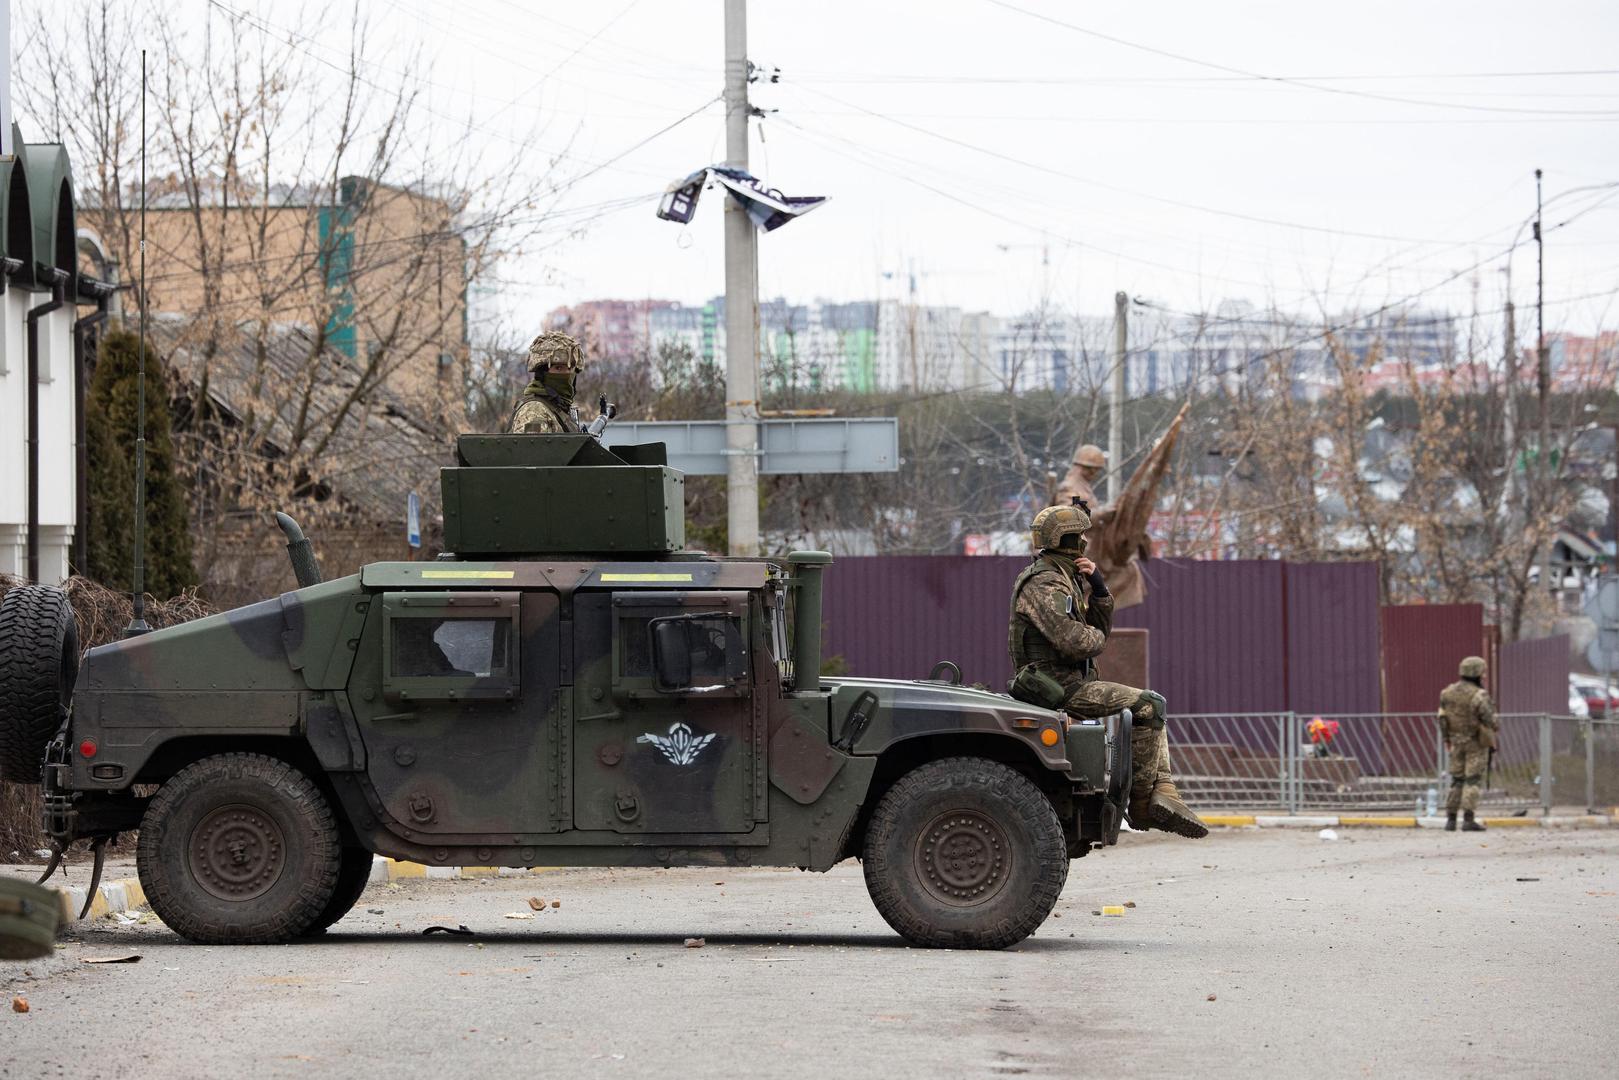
(569, 687)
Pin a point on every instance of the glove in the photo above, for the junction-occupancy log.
(1098, 586)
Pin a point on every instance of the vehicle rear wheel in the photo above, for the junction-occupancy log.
(39, 641)
(239, 849)
(353, 874)
(965, 853)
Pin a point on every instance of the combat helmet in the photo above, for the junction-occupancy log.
(1056, 524)
(1472, 668)
(555, 351)
(1090, 456)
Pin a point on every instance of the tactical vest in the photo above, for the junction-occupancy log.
(1457, 704)
(1024, 640)
(549, 398)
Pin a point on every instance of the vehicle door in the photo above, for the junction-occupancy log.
(457, 699)
(667, 738)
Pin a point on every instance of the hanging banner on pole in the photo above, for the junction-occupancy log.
(767, 207)
(413, 521)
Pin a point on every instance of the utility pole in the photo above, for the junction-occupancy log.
(1543, 365)
(741, 305)
(1115, 401)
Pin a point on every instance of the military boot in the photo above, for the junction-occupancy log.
(1165, 811)
(1450, 821)
(1470, 823)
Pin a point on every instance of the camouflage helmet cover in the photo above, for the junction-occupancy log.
(556, 351)
(1090, 456)
(1472, 668)
(1055, 522)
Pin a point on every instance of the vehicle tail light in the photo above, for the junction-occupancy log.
(88, 748)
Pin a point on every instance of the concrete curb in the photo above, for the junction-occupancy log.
(123, 894)
(385, 869)
(1347, 821)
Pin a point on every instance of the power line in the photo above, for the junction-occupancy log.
(1281, 79)
(1132, 80)
(1116, 188)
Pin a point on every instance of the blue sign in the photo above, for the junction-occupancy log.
(413, 521)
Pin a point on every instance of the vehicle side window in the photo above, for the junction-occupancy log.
(715, 645)
(714, 641)
(450, 646)
(426, 646)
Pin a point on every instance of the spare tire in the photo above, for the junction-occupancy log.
(40, 644)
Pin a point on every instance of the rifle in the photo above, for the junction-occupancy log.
(1489, 763)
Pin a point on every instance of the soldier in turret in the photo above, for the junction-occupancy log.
(554, 360)
(1062, 614)
(1467, 720)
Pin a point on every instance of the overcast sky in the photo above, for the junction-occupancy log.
(960, 137)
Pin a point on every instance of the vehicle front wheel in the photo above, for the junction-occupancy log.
(239, 849)
(965, 853)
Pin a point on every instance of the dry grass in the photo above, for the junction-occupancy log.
(101, 615)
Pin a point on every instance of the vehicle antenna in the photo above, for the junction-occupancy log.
(137, 624)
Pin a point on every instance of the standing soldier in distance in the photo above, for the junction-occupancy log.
(555, 360)
(1062, 614)
(1080, 480)
(1467, 720)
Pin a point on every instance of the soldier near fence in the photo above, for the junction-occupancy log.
(554, 362)
(1062, 614)
(1468, 723)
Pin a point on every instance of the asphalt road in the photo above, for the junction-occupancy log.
(1251, 953)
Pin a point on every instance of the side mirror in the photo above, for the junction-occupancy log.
(671, 652)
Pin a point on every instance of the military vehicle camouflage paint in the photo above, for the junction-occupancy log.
(597, 697)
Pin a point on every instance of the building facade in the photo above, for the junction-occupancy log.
(42, 372)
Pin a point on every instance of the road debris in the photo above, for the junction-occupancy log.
(1113, 910)
(459, 931)
(1328, 834)
(1129, 903)
(375, 911)
(1528, 879)
(536, 903)
(1211, 997)
(695, 943)
(518, 915)
(556, 903)
(19, 1004)
(128, 958)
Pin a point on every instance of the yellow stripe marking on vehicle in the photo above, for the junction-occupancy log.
(443, 575)
(646, 577)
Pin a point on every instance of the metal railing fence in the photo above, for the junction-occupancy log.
(1297, 763)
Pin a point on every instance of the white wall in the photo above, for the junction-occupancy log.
(57, 510)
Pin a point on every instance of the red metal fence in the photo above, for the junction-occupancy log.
(1534, 676)
(1226, 636)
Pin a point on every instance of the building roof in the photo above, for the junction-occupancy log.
(382, 450)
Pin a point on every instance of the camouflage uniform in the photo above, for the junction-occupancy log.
(1059, 625)
(547, 407)
(1467, 719)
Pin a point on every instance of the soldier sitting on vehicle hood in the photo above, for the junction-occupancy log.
(555, 360)
(1062, 614)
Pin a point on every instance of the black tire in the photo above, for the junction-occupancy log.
(965, 853)
(353, 874)
(39, 663)
(239, 849)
